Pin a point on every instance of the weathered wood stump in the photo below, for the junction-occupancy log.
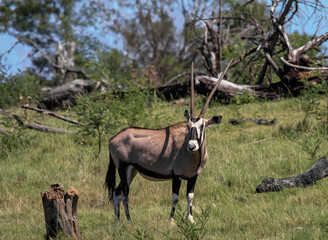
(60, 211)
(318, 171)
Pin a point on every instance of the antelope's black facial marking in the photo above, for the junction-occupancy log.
(196, 127)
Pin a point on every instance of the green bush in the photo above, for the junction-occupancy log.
(106, 114)
(245, 97)
(22, 84)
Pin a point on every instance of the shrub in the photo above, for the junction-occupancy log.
(12, 87)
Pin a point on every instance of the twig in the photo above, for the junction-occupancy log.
(53, 114)
(262, 140)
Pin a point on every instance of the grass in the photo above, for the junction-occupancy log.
(225, 188)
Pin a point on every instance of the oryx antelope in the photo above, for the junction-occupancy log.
(176, 152)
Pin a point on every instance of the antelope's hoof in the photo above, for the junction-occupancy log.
(171, 221)
(191, 219)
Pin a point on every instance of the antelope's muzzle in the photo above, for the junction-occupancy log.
(193, 143)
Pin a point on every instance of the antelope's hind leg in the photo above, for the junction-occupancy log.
(127, 174)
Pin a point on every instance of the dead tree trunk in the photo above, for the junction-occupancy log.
(60, 211)
(317, 172)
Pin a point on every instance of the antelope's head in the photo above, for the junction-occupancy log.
(196, 125)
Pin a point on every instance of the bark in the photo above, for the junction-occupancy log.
(53, 114)
(60, 211)
(317, 172)
(40, 127)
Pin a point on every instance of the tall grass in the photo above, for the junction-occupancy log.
(226, 187)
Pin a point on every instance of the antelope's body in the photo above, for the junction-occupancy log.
(177, 152)
(158, 154)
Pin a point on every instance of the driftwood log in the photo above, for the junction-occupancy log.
(258, 121)
(317, 172)
(60, 211)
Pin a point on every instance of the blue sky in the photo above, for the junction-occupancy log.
(18, 57)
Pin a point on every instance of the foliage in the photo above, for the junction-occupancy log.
(13, 87)
(188, 230)
(105, 114)
(244, 98)
(311, 102)
(15, 140)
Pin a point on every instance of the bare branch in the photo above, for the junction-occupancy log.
(40, 127)
(53, 114)
(301, 67)
(32, 43)
(176, 77)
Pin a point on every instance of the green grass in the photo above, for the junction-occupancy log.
(225, 188)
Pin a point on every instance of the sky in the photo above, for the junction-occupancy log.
(18, 56)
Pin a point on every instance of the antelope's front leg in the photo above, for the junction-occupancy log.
(190, 195)
(176, 183)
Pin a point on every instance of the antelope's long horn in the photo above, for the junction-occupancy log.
(192, 93)
(202, 113)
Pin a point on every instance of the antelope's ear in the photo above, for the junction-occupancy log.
(186, 114)
(214, 120)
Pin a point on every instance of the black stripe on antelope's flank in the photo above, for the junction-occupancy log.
(151, 174)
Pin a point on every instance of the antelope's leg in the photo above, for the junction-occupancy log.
(176, 183)
(127, 173)
(190, 195)
(117, 200)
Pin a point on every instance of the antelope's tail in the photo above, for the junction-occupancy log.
(110, 177)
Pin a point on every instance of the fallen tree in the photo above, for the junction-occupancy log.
(317, 172)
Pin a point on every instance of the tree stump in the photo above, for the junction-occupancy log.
(60, 211)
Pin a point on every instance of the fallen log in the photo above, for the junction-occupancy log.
(39, 127)
(60, 211)
(258, 121)
(65, 95)
(317, 172)
(53, 114)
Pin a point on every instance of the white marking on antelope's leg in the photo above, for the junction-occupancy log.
(190, 197)
(176, 183)
(175, 200)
